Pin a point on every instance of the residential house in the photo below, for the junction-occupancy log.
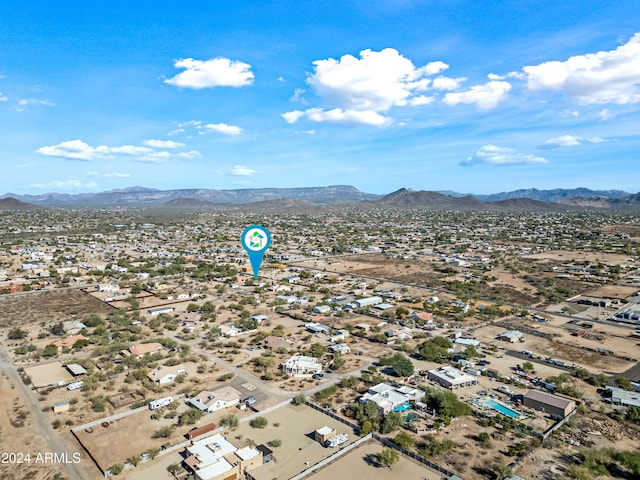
(208, 401)
(390, 398)
(165, 374)
(301, 365)
(215, 458)
(451, 378)
(69, 341)
(144, 348)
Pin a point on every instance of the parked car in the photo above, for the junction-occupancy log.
(250, 400)
(317, 376)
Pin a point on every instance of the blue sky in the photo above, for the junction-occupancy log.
(464, 95)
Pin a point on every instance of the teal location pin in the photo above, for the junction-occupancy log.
(255, 240)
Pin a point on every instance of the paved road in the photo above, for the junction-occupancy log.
(42, 425)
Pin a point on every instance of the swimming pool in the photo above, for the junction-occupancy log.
(499, 407)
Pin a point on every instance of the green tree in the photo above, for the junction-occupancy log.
(230, 421)
(17, 334)
(259, 422)
(164, 432)
(191, 416)
(388, 456)
(404, 440)
(403, 367)
(116, 469)
(338, 361)
(501, 471)
(317, 350)
(391, 421)
(50, 351)
(299, 399)
(624, 383)
(528, 367)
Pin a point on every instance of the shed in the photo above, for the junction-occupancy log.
(75, 369)
(60, 407)
(323, 434)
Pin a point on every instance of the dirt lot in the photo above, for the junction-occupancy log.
(357, 464)
(48, 307)
(16, 436)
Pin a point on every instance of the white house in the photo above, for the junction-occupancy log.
(452, 378)
(339, 348)
(164, 374)
(300, 365)
(208, 401)
(321, 309)
(389, 398)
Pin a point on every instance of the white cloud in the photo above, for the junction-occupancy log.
(486, 96)
(79, 150)
(495, 155)
(242, 171)
(189, 154)
(3, 98)
(570, 141)
(519, 75)
(594, 78)
(71, 184)
(564, 141)
(433, 68)
(447, 83)
(174, 132)
(337, 115)
(360, 90)
(162, 144)
(155, 157)
(297, 95)
(127, 150)
(374, 82)
(605, 114)
(292, 117)
(421, 100)
(74, 149)
(216, 72)
(107, 175)
(23, 103)
(224, 129)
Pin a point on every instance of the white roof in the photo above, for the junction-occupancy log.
(452, 375)
(210, 452)
(324, 430)
(247, 453)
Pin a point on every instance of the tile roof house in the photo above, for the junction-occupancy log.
(144, 348)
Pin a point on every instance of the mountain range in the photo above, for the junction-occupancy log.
(313, 197)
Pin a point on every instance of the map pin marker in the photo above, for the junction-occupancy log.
(255, 240)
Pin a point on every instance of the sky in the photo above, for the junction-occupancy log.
(472, 96)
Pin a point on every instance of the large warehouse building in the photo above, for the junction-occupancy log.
(548, 403)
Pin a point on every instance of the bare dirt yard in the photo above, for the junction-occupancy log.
(17, 439)
(359, 464)
(48, 307)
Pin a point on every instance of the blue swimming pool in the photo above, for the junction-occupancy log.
(502, 408)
